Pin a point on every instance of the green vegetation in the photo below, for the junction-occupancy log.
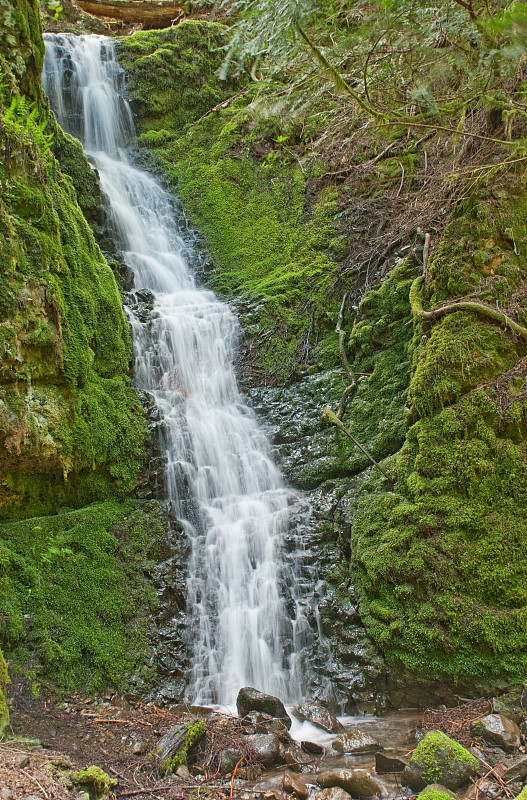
(77, 593)
(435, 754)
(431, 793)
(95, 780)
(4, 679)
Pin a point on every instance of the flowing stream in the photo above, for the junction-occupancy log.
(247, 624)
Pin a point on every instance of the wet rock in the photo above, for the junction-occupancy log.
(388, 764)
(250, 699)
(515, 770)
(334, 793)
(267, 747)
(229, 758)
(355, 741)
(294, 786)
(312, 747)
(357, 782)
(499, 730)
(264, 723)
(436, 791)
(296, 758)
(319, 716)
(512, 705)
(437, 758)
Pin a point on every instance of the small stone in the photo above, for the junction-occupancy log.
(296, 758)
(334, 793)
(21, 761)
(33, 797)
(6, 794)
(499, 730)
(388, 764)
(316, 714)
(294, 786)
(355, 741)
(357, 782)
(312, 747)
(183, 772)
(139, 747)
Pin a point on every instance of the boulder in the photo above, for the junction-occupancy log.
(355, 741)
(439, 759)
(316, 714)
(334, 793)
(386, 764)
(266, 746)
(357, 782)
(250, 699)
(499, 730)
(294, 786)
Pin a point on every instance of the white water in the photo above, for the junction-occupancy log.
(220, 477)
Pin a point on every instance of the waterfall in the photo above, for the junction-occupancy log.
(247, 624)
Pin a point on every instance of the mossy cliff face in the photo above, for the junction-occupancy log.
(77, 587)
(71, 427)
(435, 557)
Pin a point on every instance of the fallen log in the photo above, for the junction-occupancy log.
(159, 13)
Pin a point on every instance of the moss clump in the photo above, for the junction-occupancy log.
(438, 758)
(77, 593)
(95, 780)
(195, 731)
(432, 793)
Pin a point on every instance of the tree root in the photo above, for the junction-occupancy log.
(460, 305)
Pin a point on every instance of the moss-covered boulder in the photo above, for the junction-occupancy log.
(435, 791)
(93, 779)
(439, 759)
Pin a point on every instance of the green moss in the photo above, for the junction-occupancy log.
(196, 730)
(523, 794)
(433, 794)
(67, 410)
(425, 756)
(4, 679)
(95, 780)
(76, 592)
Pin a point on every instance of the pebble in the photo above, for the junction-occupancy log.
(21, 761)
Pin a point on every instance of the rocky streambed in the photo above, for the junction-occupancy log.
(87, 748)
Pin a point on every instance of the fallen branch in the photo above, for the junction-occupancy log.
(332, 418)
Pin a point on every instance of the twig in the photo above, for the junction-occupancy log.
(46, 795)
(146, 790)
(426, 254)
(411, 124)
(402, 181)
(332, 418)
(235, 770)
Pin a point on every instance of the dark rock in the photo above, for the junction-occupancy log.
(437, 758)
(319, 716)
(250, 699)
(355, 741)
(266, 746)
(145, 295)
(515, 770)
(296, 758)
(229, 758)
(357, 782)
(311, 747)
(294, 786)
(264, 723)
(498, 729)
(388, 764)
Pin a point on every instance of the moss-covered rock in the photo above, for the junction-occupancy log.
(97, 782)
(439, 759)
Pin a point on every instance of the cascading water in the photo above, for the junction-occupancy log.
(246, 628)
